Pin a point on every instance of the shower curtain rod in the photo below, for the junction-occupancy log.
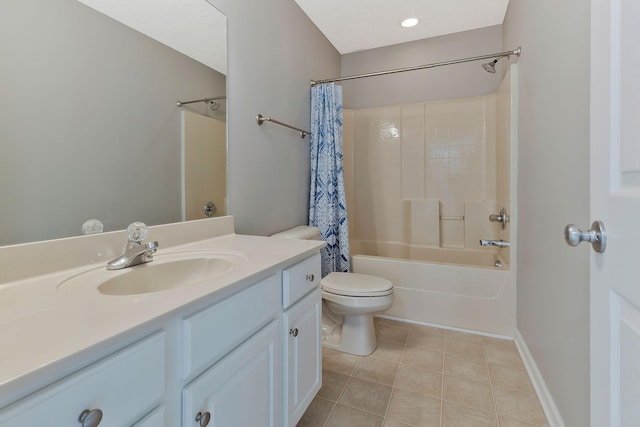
(215, 98)
(508, 53)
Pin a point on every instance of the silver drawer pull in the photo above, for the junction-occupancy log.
(310, 277)
(90, 417)
(203, 418)
(293, 332)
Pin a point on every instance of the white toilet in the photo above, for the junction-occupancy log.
(349, 301)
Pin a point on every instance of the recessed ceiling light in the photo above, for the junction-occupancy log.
(409, 22)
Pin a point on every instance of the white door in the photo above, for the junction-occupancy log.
(615, 199)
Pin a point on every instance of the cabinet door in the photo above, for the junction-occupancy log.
(124, 387)
(154, 419)
(243, 389)
(302, 355)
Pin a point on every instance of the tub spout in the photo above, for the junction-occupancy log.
(498, 243)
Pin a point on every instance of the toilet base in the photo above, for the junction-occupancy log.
(356, 334)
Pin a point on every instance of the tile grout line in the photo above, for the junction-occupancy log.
(401, 364)
(393, 387)
(493, 395)
(486, 363)
(337, 402)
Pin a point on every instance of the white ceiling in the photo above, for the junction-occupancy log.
(354, 25)
(192, 27)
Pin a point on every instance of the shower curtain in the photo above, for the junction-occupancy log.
(327, 203)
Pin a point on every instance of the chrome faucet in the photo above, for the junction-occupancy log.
(498, 243)
(135, 251)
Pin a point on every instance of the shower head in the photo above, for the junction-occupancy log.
(490, 67)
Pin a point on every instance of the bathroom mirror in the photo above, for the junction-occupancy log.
(89, 126)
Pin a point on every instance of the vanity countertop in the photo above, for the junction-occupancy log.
(46, 330)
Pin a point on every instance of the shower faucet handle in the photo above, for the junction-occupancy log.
(502, 218)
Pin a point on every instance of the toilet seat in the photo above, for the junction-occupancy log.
(356, 285)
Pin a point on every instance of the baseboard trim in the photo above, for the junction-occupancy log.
(544, 395)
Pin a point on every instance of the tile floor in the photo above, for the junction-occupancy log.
(423, 376)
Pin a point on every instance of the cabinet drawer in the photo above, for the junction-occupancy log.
(215, 331)
(300, 279)
(124, 386)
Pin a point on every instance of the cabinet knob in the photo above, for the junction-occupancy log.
(203, 418)
(293, 332)
(90, 417)
(310, 277)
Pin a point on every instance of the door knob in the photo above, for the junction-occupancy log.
(597, 236)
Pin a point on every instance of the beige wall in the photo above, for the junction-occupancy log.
(553, 190)
(274, 52)
(456, 81)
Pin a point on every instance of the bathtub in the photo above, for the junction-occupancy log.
(458, 288)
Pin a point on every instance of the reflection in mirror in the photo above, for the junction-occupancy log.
(89, 126)
(204, 166)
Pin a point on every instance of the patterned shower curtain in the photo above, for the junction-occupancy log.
(327, 203)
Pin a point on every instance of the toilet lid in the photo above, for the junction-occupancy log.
(355, 284)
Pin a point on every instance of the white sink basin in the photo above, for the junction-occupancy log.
(166, 271)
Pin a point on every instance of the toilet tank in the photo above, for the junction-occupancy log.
(302, 232)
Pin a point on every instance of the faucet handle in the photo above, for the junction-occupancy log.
(137, 232)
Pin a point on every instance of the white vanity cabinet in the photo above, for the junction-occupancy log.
(245, 355)
(122, 388)
(302, 351)
(240, 339)
(240, 390)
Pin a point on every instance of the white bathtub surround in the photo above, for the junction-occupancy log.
(448, 287)
(48, 332)
(476, 224)
(422, 180)
(452, 256)
(423, 224)
(407, 158)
